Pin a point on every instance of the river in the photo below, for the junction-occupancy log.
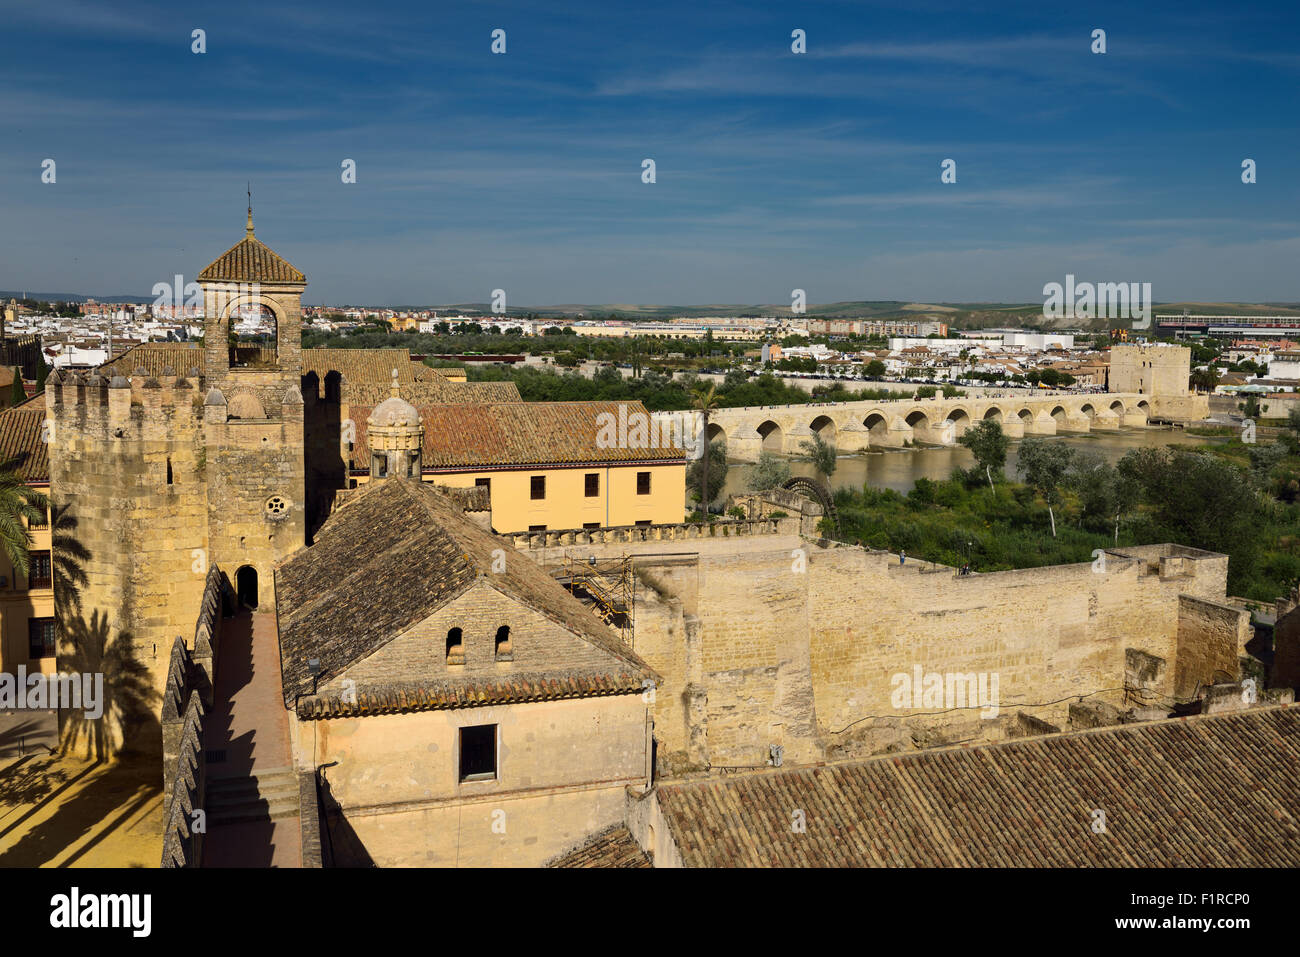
(900, 468)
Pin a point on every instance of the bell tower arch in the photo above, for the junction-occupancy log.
(253, 407)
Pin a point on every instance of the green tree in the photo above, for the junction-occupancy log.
(1043, 465)
(1203, 501)
(770, 471)
(706, 403)
(821, 454)
(874, 369)
(988, 443)
(17, 395)
(1204, 379)
(18, 502)
(708, 471)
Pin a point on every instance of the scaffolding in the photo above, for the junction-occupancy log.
(606, 587)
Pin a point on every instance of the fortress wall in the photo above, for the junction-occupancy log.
(1211, 637)
(1047, 633)
(763, 654)
(144, 540)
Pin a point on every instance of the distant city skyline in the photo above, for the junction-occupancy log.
(774, 170)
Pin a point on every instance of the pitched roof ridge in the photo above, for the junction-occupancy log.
(276, 258)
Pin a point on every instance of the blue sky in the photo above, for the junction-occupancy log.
(774, 170)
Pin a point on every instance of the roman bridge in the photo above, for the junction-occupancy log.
(894, 423)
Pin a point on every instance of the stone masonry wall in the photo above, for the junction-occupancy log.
(755, 652)
(144, 538)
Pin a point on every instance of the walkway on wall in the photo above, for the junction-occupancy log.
(252, 791)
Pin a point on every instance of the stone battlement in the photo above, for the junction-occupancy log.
(102, 406)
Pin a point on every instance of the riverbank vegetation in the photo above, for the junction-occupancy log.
(1241, 499)
(660, 392)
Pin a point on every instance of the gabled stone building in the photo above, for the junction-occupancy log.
(464, 708)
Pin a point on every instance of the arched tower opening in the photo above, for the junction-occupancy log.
(246, 586)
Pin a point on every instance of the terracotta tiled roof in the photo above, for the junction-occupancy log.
(399, 698)
(1207, 791)
(613, 847)
(251, 260)
(521, 434)
(394, 555)
(21, 439)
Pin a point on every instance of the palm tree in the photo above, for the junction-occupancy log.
(706, 403)
(18, 501)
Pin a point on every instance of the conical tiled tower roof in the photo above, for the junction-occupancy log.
(251, 260)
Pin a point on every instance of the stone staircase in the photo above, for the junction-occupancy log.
(269, 796)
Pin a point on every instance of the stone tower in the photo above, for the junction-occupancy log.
(1154, 369)
(163, 473)
(253, 415)
(128, 486)
(395, 434)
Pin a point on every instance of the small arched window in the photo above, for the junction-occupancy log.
(504, 649)
(455, 648)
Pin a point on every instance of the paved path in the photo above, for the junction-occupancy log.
(251, 725)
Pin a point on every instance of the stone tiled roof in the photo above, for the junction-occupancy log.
(368, 378)
(391, 557)
(154, 357)
(1206, 791)
(251, 260)
(363, 365)
(613, 847)
(36, 401)
(520, 434)
(21, 441)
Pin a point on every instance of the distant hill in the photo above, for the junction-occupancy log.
(958, 315)
(7, 294)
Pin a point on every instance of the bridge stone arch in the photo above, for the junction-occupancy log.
(825, 427)
(771, 436)
(715, 433)
(955, 423)
(995, 414)
(925, 429)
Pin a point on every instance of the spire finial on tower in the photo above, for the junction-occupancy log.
(396, 391)
(248, 230)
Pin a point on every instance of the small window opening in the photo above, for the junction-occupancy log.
(505, 650)
(455, 648)
(478, 753)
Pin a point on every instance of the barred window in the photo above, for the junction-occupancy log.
(40, 637)
(38, 570)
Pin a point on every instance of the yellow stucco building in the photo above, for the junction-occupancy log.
(545, 464)
(27, 601)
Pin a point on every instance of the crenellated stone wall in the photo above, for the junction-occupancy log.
(781, 640)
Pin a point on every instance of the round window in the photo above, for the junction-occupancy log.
(276, 506)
